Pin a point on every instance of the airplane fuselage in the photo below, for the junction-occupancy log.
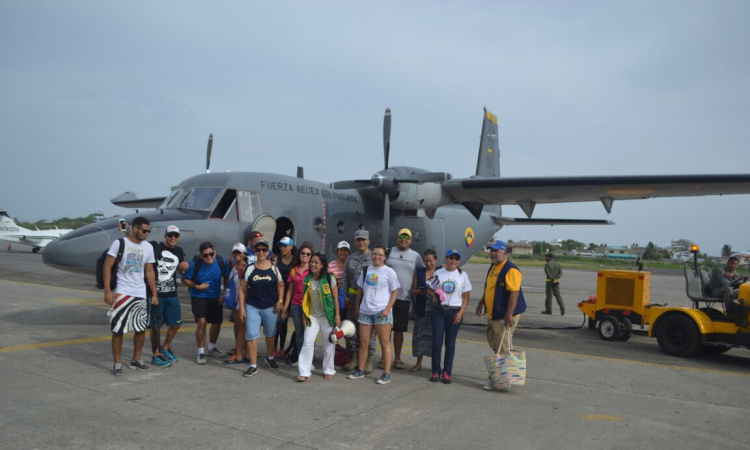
(224, 208)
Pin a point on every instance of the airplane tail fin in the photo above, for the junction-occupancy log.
(488, 162)
(5, 219)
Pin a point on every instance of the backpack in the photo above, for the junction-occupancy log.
(364, 273)
(198, 261)
(100, 267)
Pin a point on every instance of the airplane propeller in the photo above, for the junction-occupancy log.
(208, 151)
(387, 181)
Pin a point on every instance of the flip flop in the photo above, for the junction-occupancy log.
(301, 379)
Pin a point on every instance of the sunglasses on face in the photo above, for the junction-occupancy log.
(144, 230)
(208, 255)
(261, 250)
(404, 237)
(305, 254)
(173, 235)
(454, 258)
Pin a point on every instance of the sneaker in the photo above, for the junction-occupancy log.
(117, 370)
(250, 371)
(282, 353)
(201, 360)
(398, 364)
(160, 361)
(170, 356)
(272, 363)
(233, 361)
(381, 364)
(384, 379)
(275, 355)
(356, 375)
(139, 365)
(246, 361)
(547, 312)
(215, 353)
(447, 378)
(435, 376)
(489, 385)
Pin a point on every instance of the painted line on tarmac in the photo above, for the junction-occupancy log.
(602, 417)
(54, 287)
(630, 361)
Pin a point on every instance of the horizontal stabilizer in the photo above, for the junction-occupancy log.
(130, 200)
(524, 221)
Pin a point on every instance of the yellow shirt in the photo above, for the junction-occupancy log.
(512, 282)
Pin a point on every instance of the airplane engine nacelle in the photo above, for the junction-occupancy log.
(422, 196)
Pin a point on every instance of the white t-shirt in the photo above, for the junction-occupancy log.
(316, 304)
(454, 284)
(377, 288)
(130, 271)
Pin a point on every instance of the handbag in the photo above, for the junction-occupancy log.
(507, 369)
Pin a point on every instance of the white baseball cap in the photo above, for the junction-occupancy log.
(239, 247)
(343, 244)
(172, 229)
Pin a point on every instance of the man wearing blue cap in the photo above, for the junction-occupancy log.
(502, 299)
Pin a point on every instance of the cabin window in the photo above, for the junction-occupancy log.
(249, 205)
(201, 198)
(174, 199)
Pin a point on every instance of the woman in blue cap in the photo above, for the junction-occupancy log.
(449, 289)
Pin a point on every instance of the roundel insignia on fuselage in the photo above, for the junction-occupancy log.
(469, 237)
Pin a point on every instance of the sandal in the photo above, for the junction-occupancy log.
(416, 368)
(301, 379)
(328, 377)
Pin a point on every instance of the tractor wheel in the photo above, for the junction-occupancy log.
(678, 335)
(592, 324)
(717, 349)
(627, 329)
(610, 328)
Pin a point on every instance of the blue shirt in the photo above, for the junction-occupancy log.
(262, 286)
(210, 274)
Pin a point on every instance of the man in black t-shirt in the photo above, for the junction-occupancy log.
(170, 259)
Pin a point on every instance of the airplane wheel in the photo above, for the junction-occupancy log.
(627, 329)
(592, 324)
(610, 328)
(678, 336)
(35, 250)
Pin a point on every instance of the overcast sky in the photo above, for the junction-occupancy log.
(98, 98)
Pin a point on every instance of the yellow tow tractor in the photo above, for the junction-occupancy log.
(622, 300)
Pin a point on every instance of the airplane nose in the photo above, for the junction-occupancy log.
(78, 250)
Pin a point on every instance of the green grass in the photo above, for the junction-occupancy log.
(570, 262)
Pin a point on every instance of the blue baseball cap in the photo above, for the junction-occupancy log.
(452, 252)
(499, 245)
(286, 241)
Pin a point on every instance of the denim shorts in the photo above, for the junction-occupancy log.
(375, 319)
(257, 317)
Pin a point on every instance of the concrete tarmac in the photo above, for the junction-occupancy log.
(57, 391)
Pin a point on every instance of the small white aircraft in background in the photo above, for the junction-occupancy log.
(37, 239)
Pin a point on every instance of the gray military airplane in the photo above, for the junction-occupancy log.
(442, 212)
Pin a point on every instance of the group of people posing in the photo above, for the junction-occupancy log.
(377, 289)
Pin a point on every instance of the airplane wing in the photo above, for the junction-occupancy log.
(505, 221)
(130, 200)
(527, 192)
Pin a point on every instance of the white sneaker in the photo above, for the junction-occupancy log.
(489, 385)
(201, 359)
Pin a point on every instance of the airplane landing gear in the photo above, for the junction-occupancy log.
(36, 249)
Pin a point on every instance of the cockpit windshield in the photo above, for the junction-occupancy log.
(201, 198)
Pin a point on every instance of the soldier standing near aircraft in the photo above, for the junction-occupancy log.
(353, 270)
(503, 300)
(405, 262)
(129, 310)
(204, 278)
(170, 259)
(554, 272)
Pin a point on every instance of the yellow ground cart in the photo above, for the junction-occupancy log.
(622, 300)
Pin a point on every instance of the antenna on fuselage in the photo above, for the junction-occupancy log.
(208, 151)
(300, 172)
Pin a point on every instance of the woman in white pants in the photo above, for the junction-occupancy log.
(320, 306)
